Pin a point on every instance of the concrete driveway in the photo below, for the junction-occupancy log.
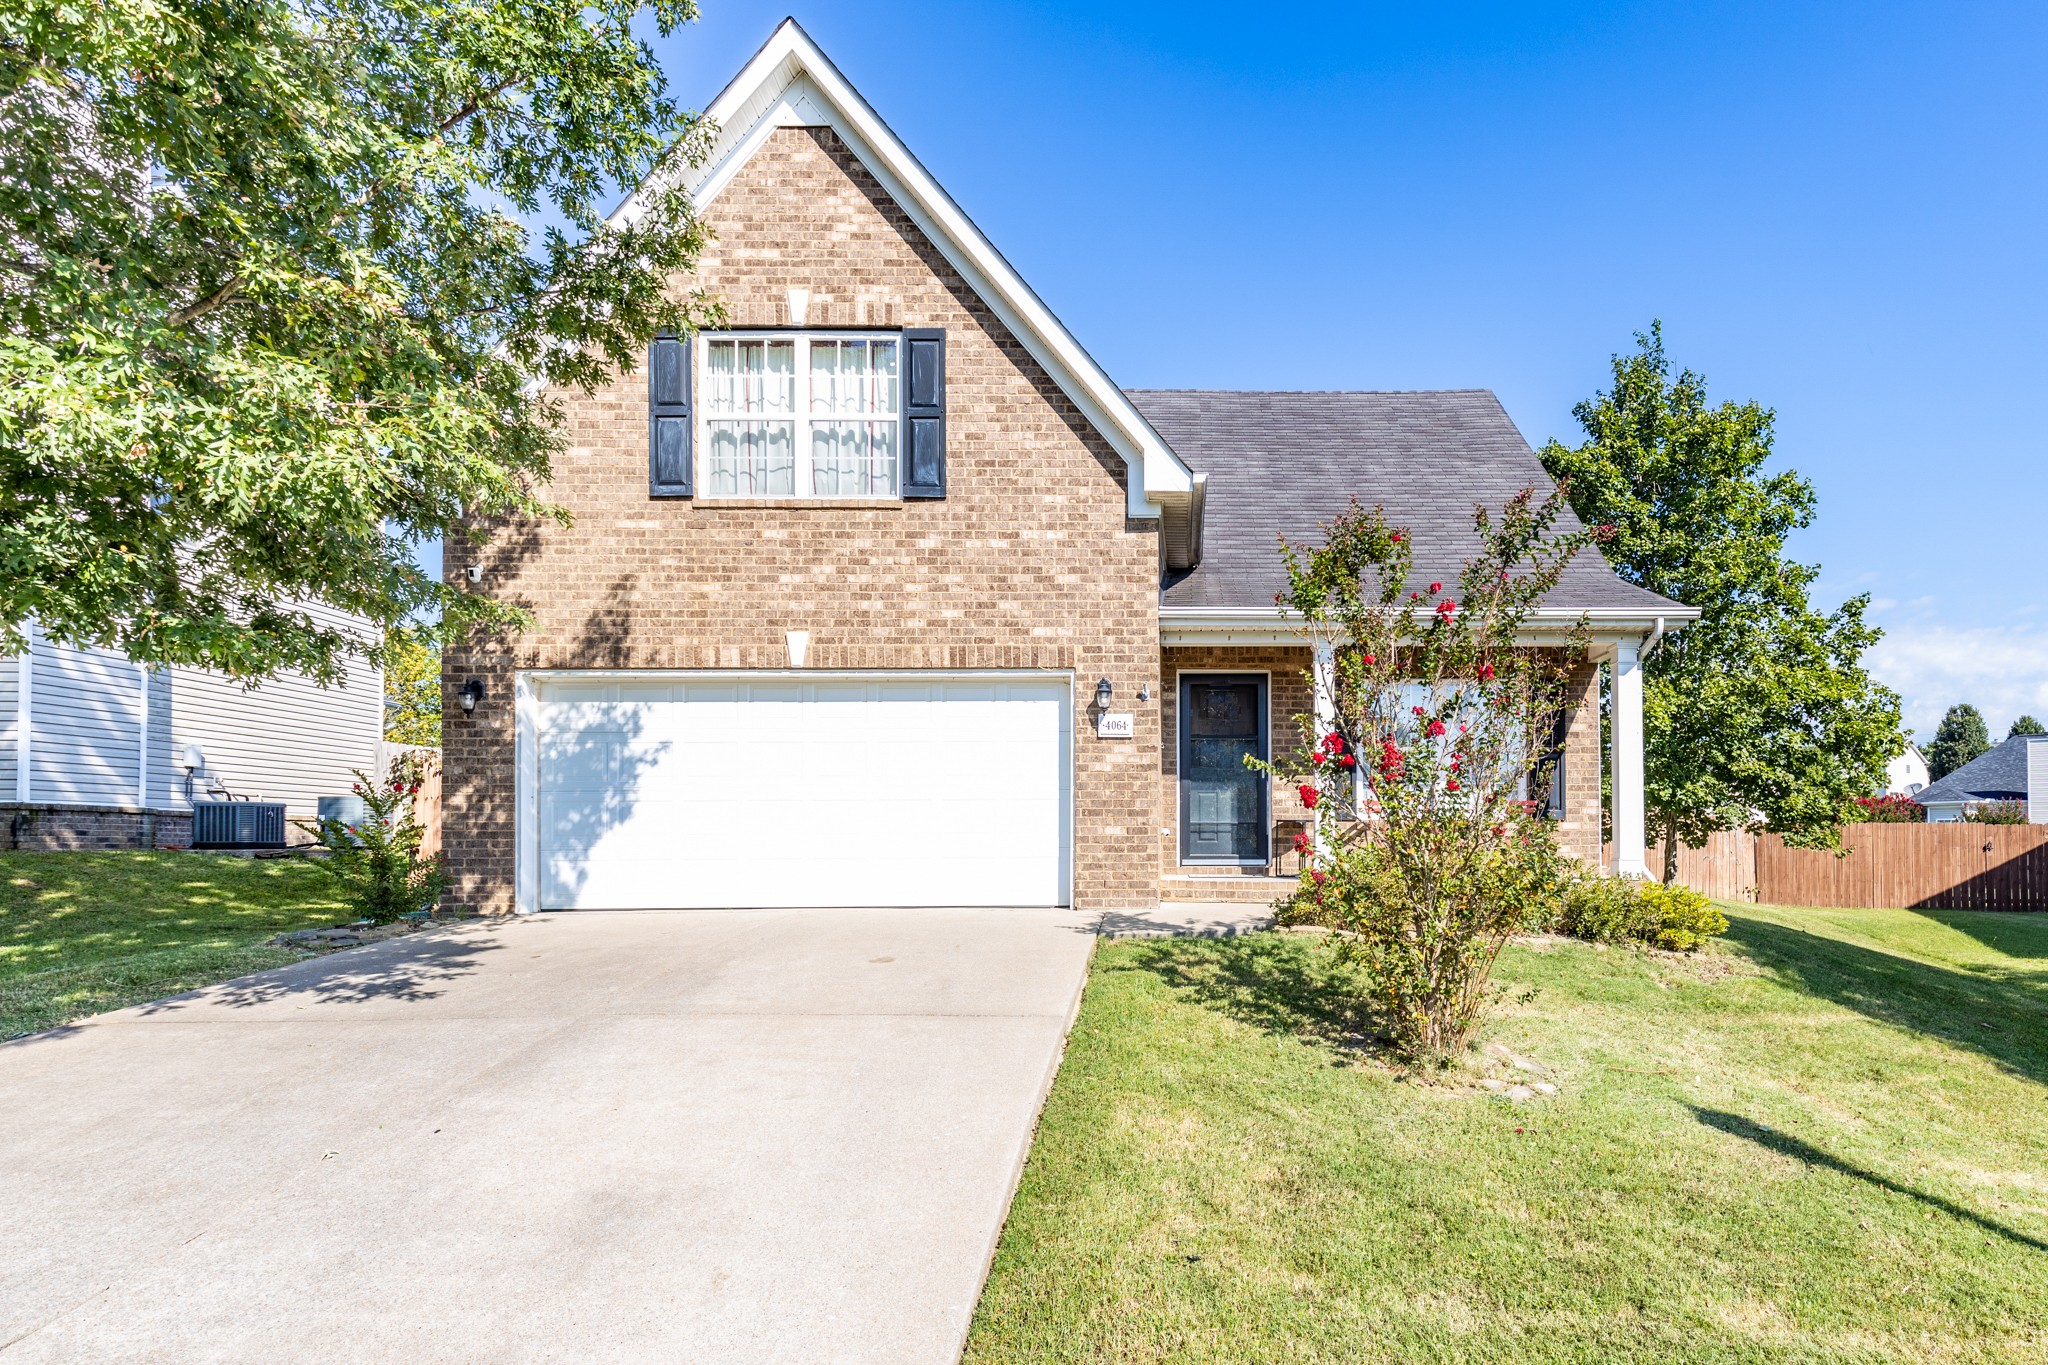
(710, 1136)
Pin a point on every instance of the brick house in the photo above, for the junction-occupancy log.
(887, 594)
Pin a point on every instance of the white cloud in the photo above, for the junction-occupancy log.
(2001, 670)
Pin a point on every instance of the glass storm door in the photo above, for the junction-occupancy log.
(1222, 802)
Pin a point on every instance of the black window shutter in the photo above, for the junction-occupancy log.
(668, 418)
(924, 413)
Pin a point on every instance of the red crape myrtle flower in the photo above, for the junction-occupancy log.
(1436, 727)
(1309, 795)
(1486, 672)
(1301, 843)
(1451, 785)
(1318, 876)
(1435, 588)
(1347, 761)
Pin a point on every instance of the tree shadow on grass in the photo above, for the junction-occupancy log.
(2001, 1014)
(1785, 1144)
(410, 969)
(1280, 983)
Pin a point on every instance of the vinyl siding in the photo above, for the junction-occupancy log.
(288, 740)
(88, 706)
(10, 737)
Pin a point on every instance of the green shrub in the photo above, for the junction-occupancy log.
(1997, 813)
(1679, 918)
(1605, 909)
(377, 859)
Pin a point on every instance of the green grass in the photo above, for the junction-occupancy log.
(1826, 1139)
(86, 932)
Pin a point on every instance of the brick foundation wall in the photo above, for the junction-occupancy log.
(78, 829)
(1028, 563)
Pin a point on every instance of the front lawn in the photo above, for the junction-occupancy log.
(86, 932)
(1826, 1139)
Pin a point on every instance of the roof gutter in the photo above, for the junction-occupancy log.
(1269, 625)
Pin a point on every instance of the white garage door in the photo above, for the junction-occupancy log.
(874, 790)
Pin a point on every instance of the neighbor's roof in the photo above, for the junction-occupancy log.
(1283, 463)
(1998, 775)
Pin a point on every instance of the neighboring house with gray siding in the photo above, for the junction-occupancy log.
(1998, 775)
(97, 751)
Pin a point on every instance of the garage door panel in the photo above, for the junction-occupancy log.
(838, 791)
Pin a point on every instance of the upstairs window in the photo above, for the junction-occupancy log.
(805, 415)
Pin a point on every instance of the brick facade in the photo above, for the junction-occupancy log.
(1578, 833)
(1029, 562)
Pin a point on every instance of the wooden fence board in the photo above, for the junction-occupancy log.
(1950, 866)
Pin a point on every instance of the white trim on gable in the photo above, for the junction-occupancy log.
(791, 83)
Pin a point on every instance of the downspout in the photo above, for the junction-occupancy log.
(1656, 638)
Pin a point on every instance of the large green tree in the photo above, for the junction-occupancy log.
(1760, 714)
(1961, 737)
(2026, 725)
(412, 688)
(273, 307)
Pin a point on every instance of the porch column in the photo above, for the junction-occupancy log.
(1324, 668)
(1626, 784)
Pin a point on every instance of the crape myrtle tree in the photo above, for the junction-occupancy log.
(271, 310)
(1961, 738)
(1761, 713)
(1438, 722)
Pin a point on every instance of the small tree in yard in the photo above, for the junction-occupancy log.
(377, 859)
(1426, 856)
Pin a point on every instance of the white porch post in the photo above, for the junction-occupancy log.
(1324, 668)
(1626, 783)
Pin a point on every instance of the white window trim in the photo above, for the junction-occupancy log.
(803, 419)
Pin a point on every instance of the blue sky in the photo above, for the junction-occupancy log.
(1836, 209)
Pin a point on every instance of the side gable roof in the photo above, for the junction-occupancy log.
(1998, 774)
(1283, 463)
(791, 83)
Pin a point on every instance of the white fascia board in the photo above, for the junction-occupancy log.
(1269, 626)
(791, 83)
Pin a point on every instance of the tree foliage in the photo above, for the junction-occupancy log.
(1426, 856)
(2026, 725)
(1761, 712)
(270, 311)
(412, 688)
(1961, 737)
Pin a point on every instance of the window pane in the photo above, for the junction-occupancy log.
(752, 459)
(853, 377)
(853, 459)
(749, 376)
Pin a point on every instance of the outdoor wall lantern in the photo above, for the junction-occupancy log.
(472, 693)
(1102, 694)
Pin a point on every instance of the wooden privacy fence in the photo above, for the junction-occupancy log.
(1932, 867)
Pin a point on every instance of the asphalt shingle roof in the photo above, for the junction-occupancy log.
(1282, 463)
(1997, 775)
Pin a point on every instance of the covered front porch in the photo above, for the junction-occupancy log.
(1234, 685)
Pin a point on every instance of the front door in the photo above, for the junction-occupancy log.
(1222, 802)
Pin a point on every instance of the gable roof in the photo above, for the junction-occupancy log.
(791, 83)
(1282, 463)
(1999, 774)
